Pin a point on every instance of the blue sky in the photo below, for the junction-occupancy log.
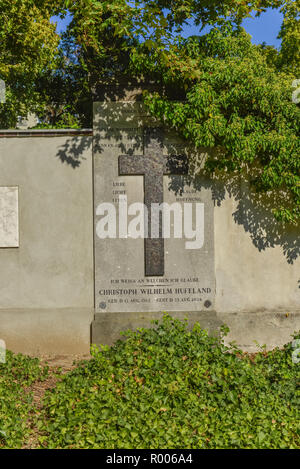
(262, 29)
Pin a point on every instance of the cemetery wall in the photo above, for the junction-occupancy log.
(46, 284)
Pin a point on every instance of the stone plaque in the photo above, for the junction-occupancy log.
(9, 217)
(154, 238)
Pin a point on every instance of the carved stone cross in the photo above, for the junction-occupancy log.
(153, 165)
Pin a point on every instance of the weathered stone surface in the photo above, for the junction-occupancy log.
(107, 327)
(153, 165)
(247, 329)
(133, 158)
(9, 217)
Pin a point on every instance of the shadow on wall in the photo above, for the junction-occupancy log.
(73, 150)
(253, 212)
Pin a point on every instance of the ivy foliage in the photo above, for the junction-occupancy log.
(17, 374)
(238, 104)
(168, 387)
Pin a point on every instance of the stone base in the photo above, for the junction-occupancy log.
(38, 332)
(69, 331)
(272, 329)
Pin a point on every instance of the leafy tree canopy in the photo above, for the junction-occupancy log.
(28, 46)
(235, 97)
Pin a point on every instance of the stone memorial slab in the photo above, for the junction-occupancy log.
(9, 217)
(154, 236)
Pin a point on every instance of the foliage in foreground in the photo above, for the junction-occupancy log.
(16, 375)
(171, 388)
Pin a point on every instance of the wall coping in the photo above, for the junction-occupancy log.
(7, 133)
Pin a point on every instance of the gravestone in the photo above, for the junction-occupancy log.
(9, 217)
(148, 262)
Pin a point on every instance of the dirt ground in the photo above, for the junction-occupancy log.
(58, 365)
(63, 361)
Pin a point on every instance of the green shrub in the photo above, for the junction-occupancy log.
(168, 387)
(16, 403)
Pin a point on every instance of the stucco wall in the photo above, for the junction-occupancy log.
(257, 267)
(256, 270)
(46, 285)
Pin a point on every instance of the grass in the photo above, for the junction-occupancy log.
(165, 387)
